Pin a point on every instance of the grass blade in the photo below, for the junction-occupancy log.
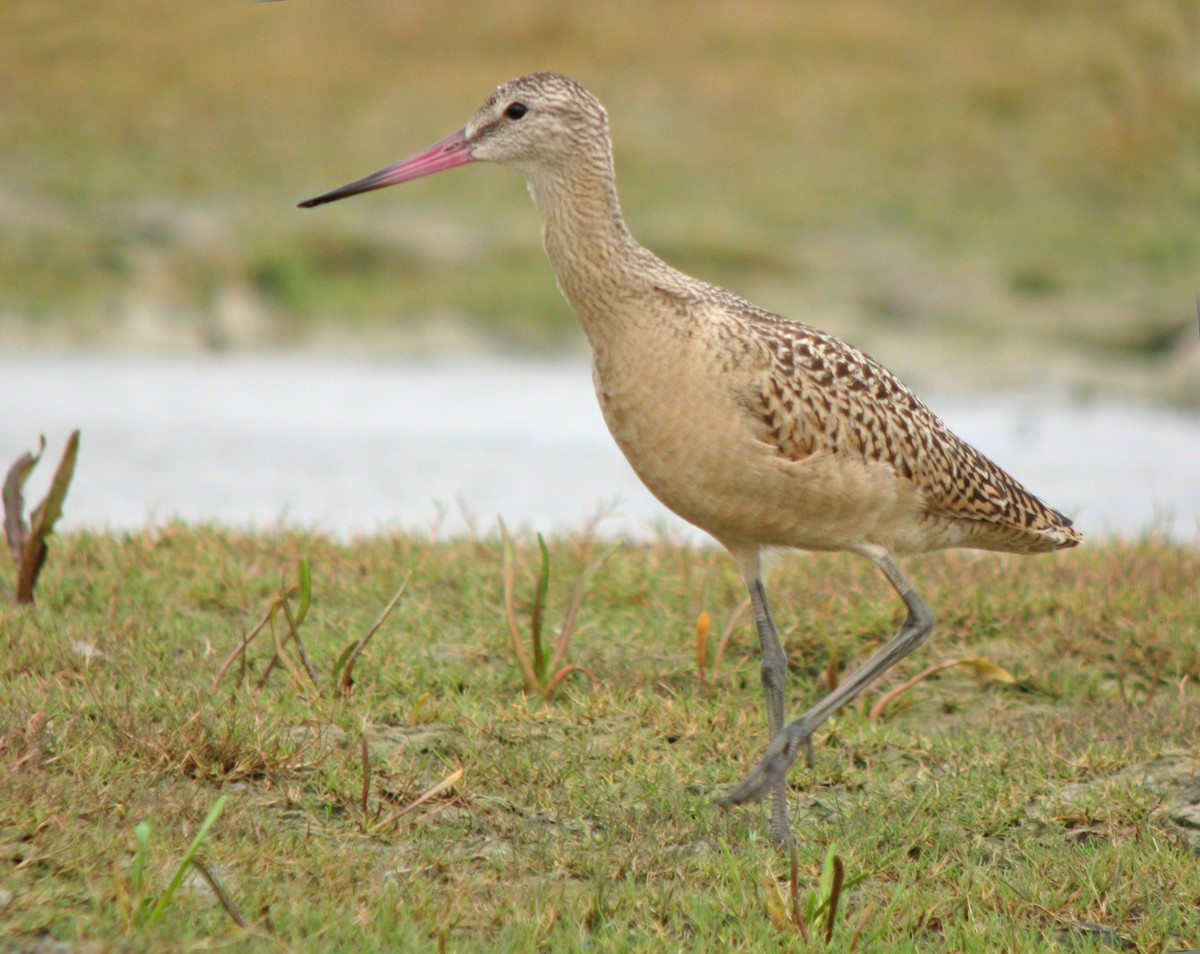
(305, 591)
(347, 670)
(539, 609)
(239, 651)
(340, 663)
(137, 873)
(365, 757)
(562, 673)
(981, 666)
(209, 820)
(219, 892)
(794, 891)
(837, 876)
(293, 623)
(43, 519)
(703, 625)
(14, 502)
(736, 615)
(448, 782)
(514, 631)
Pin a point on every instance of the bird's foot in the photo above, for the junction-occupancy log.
(770, 773)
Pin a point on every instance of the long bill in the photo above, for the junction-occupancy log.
(450, 152)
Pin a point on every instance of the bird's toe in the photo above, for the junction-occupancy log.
(771, 771)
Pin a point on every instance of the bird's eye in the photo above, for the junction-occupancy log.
(516, 110)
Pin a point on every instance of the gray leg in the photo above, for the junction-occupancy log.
(773, 667)
(770, 775)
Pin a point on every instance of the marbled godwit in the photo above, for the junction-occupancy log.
(761, 430)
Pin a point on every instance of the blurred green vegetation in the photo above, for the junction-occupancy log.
(1016, 176)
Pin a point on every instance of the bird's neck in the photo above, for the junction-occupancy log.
(595, 259)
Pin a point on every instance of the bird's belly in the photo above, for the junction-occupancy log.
(689, 441)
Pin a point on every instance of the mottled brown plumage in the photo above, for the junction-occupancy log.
(761, 430)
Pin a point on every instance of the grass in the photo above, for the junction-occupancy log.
(932, 169)
(436, 806)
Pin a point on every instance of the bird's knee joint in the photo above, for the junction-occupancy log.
(773, 675)
(927, 619)
(920, 621)
(921, 617)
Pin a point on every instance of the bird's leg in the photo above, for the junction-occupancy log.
(773, 667)
(771, 772)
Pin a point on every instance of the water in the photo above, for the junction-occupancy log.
(361, 446)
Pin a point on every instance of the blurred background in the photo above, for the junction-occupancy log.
(998, 198)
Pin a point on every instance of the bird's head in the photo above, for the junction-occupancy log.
(534, 123)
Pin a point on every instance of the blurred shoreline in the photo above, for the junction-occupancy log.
(961, 364)
(353, 445)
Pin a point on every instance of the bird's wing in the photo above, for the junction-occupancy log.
(817, 394)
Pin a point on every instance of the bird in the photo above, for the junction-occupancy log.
(763, 431)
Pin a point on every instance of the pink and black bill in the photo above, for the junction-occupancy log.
(450, 152)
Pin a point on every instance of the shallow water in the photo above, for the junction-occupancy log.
(360, 446)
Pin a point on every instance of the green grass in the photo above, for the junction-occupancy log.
(888, 169)
(1049, 814)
